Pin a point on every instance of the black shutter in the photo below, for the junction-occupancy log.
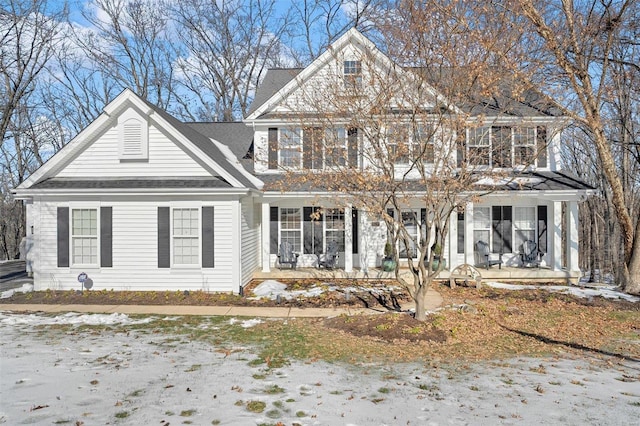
(354, 231)
(541, 144)
(273, 230)
(164, 238)
(423, 226)
(273, 148)
(461, 229)
(63, 236)
(106, 237)
(507, 228)
(207, 237)
(461, 147)
(352, 140)
(312, 238)
(542, 228)
(501, 220)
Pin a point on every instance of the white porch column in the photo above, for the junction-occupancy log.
(572, 236)
(266, 238)
(453, 240)
(348, 239)
(468, 234)
(554, 228)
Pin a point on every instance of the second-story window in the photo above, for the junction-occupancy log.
(353, 74)
(479, 146)
(524, 146)
(501, 146)
(335, 148)
(290, 151)
(422, 142)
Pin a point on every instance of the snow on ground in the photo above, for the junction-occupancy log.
(26, 288)
(135, 376)
(607, 291)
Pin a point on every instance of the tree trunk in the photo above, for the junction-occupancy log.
(421, 302)
(631, 270)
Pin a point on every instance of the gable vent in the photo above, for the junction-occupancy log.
(132, 138)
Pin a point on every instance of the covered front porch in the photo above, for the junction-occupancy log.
(506, 274)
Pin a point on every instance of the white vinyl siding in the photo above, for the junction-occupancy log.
(84, 237)
(185, 238)
(135, 252)
(250, 249)
(102, 160)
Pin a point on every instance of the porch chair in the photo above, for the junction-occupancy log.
(481, 254)
(286, 256)
(330, 258)
(529, 254)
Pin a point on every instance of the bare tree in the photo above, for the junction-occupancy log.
(572, 51)
(130, 43)
(227, 47)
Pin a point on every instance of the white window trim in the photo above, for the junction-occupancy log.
(72, 263)
(290, 147)
(515, 128)
(299, 230)
(172, 237)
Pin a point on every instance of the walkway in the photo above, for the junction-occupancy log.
(434, 300)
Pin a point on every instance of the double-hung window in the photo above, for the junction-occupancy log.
(290, 148)
(479, 146)
(524, 146)
(84, 236)
(481, 224)
(501, 146)
(398, 143)
(334, 227)
(422, 143)
(525, 225)
(335, 148)
(290, 227)
(410, 224)
(352, 74)
(186, 241)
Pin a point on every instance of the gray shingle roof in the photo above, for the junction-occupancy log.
(236, 135)
(58, 183)
(529, 104)
(204, 144)
(274, 80)
(526, 181)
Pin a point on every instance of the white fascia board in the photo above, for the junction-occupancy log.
(233, 161)
(79, 142)
(318, 63)
(68, 152)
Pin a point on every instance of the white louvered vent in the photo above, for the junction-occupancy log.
(133, 137)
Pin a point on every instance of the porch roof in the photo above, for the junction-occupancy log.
(525, 181)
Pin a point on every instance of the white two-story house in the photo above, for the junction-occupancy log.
(140, 200)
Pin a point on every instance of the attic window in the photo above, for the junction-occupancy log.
(353, 74)
(133, 137)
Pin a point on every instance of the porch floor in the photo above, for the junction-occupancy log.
(506, 274)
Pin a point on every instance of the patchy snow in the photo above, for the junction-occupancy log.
(272, 289)
(246, 323)
(150, 376)
(70, 318)
(607, 291)
(26, 288)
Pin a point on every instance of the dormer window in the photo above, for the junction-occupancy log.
(353, 74)
(133, 137)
